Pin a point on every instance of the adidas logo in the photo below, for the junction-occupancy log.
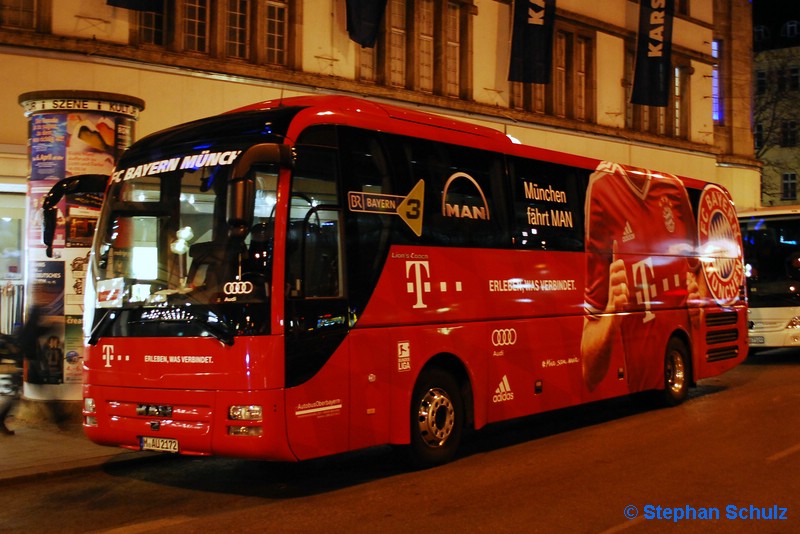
(627, 234)
(503, 392)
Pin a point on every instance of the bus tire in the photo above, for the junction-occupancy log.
(677, 373)
(437, 419)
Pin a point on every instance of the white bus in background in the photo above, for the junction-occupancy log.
(771, 238)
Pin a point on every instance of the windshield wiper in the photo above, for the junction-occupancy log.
(101, 326)
(222, 332)
(212, 324)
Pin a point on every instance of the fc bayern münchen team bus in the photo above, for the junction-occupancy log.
(772, 267)
(313, 275)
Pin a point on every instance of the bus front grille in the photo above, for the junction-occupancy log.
(722, 353)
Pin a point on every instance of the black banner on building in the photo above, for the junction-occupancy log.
(532, 41)
(652, 77)
(138, 5)
(363, 20)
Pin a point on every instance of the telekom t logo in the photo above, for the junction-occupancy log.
(646, 292)
(109, 356)
(418, 275)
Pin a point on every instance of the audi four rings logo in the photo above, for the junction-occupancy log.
(238, 288)
(504, 337)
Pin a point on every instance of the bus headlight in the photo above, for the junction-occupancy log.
(88, 405)
(794, 323)
(245, 413)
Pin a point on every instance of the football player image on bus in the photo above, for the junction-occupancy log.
(640, 276)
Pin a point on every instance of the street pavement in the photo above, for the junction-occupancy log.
(40, 448)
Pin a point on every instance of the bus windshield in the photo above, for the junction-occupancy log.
(165, 258)
(773, 260)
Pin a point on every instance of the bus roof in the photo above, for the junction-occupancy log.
(368, 109)
(244, 122)
(768, 211)
(396, 119)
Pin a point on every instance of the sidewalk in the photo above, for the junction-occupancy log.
(40, 448)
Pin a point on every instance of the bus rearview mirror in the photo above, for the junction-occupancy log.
(241, 187)
(82, 183)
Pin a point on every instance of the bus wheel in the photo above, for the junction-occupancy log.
(677, 373)
(437, 419)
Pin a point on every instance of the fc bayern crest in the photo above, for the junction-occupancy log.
(719, 239)
(669, 216)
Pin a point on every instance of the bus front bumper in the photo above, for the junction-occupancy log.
(243, 424)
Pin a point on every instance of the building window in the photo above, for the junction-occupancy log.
(569, 93)
(561, 59)
(538, 98)
(256, 32)
(368, 64)
(398, 30)
(452, 57)
(789, 186)
(789, 133)
(19, 14)
(761, 33)
(790, 29)
(582, 74)
(236, 34)
(670, 120)
(680, 103)
(151, 28)
(195, 26)
(716, 89)
(425, 39)
(650, 119)
(422, 46)
(630, 109)
(788, 79)
(677, 108)
(277, 33)
(758, 135)
(761, 82)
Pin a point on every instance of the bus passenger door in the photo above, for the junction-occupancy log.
(317, 317)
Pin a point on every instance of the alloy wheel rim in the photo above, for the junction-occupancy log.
(436, 417)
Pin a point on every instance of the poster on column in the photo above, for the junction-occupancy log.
(48, 153)
(83, 211)
(36, 193)
(73, 349)
(47, 284)
(75, 267)
(47, 294)
(90, 144)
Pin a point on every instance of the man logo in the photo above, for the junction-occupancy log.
(238, 288)
(504, 337)
(463, 211)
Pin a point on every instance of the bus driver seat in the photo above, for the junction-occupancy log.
(206, 264)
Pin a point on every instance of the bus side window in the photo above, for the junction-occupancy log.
(367, 169)
(548, 203)
(313, 241)
(464, 196)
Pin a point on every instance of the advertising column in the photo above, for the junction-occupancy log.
(70, 133)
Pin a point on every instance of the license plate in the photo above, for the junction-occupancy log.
(149, 443)
(756, 340)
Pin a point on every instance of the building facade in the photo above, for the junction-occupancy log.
(194, 58)
(776, 110)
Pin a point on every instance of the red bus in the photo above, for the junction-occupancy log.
(314, 275)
